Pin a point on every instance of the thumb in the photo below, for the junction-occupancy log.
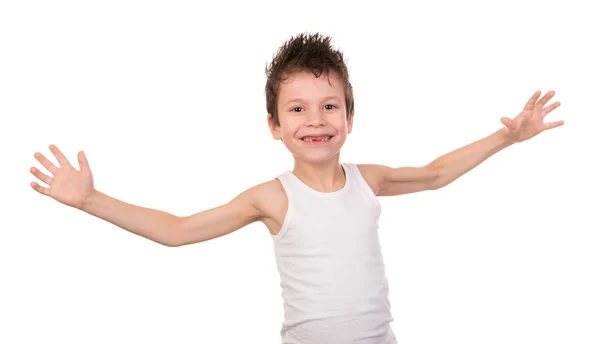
(508, 122)
(83, 162)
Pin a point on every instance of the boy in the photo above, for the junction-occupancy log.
(323, 215)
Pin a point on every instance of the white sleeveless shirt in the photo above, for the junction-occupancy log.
(333, 280)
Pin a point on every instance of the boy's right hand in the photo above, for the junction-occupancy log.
(67, 185)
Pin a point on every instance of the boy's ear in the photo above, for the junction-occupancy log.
(350, 122)
(273, 128)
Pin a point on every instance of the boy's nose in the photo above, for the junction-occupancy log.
(315, 118)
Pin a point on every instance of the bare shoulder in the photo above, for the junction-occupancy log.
(272, 202)
(262, 196)
(268, 203)
(373, 174)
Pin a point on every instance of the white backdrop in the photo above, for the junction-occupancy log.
(167, 100)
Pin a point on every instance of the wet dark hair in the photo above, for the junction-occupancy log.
(306, 52)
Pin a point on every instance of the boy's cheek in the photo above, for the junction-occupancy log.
(289, 136)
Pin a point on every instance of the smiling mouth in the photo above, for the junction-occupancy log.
(316, 139)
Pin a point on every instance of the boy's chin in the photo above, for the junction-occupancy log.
(316, 157)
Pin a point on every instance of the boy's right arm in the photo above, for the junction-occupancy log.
(76, 189)
(171, 230)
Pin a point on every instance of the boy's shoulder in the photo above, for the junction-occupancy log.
(268, 192)
(271, 201)
(372, 174)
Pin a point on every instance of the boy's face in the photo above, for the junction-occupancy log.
(313, 107)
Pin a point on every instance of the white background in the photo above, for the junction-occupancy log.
(167, 100)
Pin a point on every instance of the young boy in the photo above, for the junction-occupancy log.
(323, 215)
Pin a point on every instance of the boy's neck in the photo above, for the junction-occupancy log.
(324, 177)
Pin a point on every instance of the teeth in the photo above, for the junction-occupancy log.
(310, 139)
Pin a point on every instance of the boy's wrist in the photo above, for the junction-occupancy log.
(504, 138)
(87, 204)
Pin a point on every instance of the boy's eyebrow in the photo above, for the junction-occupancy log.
(301, 100)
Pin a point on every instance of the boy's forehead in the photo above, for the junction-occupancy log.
(306, 84)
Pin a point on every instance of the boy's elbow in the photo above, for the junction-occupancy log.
(437, 177)
(436, 184)
(172, 237)
(170, 242)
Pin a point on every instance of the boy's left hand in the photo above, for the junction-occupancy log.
(530, 121)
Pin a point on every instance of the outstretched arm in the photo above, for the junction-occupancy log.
(76, 189)
(449, 167)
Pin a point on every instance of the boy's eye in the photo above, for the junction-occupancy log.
(295, 109)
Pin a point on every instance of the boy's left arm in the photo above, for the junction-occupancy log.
(387, 181)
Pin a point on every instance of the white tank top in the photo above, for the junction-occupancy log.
(333, 280)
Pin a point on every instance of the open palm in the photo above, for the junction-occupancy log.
(67, 185)
(530, 121)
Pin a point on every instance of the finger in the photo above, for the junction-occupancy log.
(62, 160)
(83, 162)
(532, 100)
(40, 175)
(542, 102)
(551, 125)
(46, 163)
(40, 189)
(549, 108)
